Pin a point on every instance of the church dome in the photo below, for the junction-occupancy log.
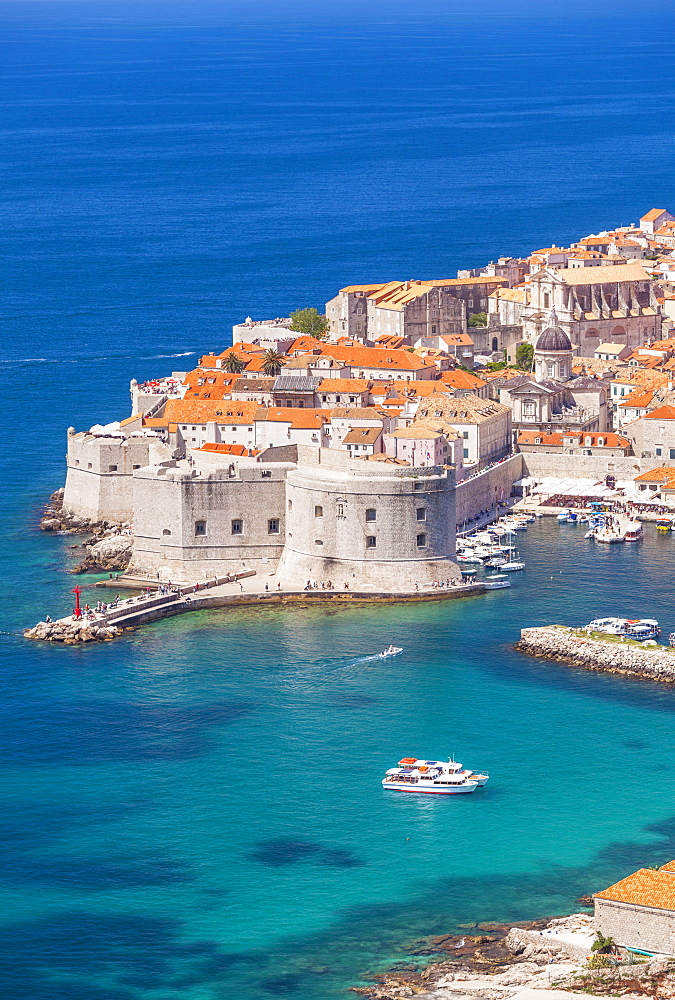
(554, 339)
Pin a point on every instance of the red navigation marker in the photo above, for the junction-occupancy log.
(78, 610)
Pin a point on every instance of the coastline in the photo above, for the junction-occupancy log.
(536, 960)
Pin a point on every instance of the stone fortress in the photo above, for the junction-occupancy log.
(298, 512)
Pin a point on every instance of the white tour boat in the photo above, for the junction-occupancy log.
(632, 628)
(392, 651)
(433, 777)
(496, 582)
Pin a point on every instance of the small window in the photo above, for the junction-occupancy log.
(89, 465)
(290, 505)
(371, 514)
(421, 513)
(135, 466)
(340, 509)
(418, 486)
(200, 527)
(112, 468)
(672, 453)
(273, 526)
(318, 511)
(266, 474)
(466, 453)
(547, 300)
(371, 541)
(465, 435)
(167, 531)
(237, 527)
(421, 541)
(317, 541)
(659, 451)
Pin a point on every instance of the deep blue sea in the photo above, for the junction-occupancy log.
(195, 812)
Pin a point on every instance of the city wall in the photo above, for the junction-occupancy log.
(481, 491)
(587, 466)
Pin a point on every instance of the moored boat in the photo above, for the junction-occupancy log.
(432, 777)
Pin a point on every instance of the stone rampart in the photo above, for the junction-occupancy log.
(562, 466)
(636, 926)
(480, 492)
(611, 655)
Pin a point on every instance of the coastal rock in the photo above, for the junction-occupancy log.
(72, 632)
(112, 552)
(611, 655)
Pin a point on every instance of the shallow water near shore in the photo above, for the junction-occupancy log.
(196, 810)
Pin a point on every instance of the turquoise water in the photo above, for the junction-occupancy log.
(196, 810)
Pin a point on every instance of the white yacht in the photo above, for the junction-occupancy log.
(391, 651)
(433, 777)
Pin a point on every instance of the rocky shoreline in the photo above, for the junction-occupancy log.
(498, 961)
(107, 550)
(607, 655)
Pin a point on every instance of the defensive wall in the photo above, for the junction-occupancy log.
(370, 525)
(481, 491)
(563, 466)
(100, 469)
(191, 525)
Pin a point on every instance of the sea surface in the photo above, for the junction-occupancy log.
(195, 811)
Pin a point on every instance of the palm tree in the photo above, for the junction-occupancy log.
(273, 362)
(233, 363)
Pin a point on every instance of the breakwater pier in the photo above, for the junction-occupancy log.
(239, 590)
(604, 653)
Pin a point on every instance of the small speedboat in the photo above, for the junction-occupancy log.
(392, 651)
(497, 582)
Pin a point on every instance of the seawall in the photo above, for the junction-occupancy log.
(609, 654)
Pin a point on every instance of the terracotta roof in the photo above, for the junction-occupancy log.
(652, 215)
(356, 385)
(517, 294)
(645, 887)
(356, 413)
(202, 411)
(374, 357)
(660, 475)
(362, 435)
(482, 280)
(297, 417)
(603, 275)
(459, 379)
(132, 419)
(610, 440)
(227, 449)
(639, 398)
(457, 339)
(361, 288)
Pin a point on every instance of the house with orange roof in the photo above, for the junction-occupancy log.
(653, 434)
(406, 310)
(464, 383)
(654, 219)
(606, 444)
(202, 421)
(282, 425)
(638, 912)
(484, 425)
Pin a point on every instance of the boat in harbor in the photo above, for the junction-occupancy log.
(630, 628)
(391, 651)
(497, 582)
(664, 524)
(432, 777)
(633, 531)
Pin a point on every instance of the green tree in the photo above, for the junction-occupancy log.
(233, 363)
(524, 356)
(478, 319)
(309, 321)
(273, 362)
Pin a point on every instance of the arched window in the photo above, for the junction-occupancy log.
(340, 508)
(495, 343)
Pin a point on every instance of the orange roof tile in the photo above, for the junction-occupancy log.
(638, 399)
(661, 475)
(665, 412)
(652, 215)
(226, 449)
(202, 411)
(296, 417)
(646, 887)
